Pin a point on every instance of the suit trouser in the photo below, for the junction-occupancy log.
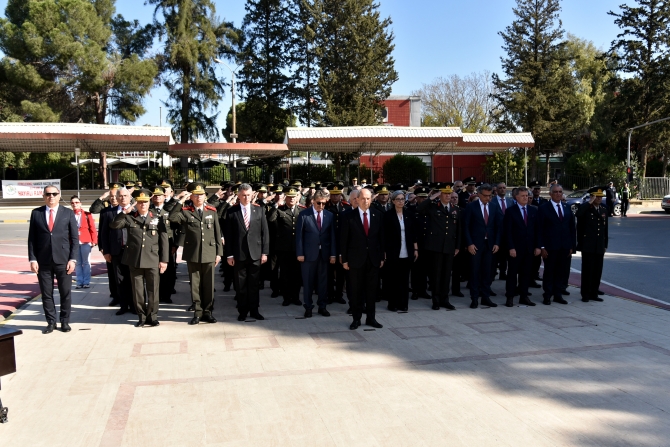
(275, 282)
(315, 276)
(566, 274)
(111, 276)
(201, 275)
(519, 267)
(441, 264)
(480, 274)
(457, 270)
(290, 276)
(535, 269)
(45, 277)
(554, 272)
(168, 278)
(396, 286)
(247, 274)
(419, 273)
(335, 281)
(364, 285)
(592, 271)
(146, 311)
(499, 262)
(123, 286)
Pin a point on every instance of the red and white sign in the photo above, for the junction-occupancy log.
(22, 189)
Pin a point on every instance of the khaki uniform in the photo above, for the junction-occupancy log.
(147, 245)
(202, 244)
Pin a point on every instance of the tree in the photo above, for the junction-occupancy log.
(357, 68)
(642, 51)
(538, 93)
(455, 101)
(404, 169)
(251, 125)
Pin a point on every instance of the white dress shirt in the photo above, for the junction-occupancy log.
(521, 207)
(48, 211)
(403, 242)
(360, 212)
(556, 205)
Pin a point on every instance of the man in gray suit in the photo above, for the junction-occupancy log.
(501, 202)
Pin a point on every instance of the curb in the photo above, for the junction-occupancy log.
(15, 221)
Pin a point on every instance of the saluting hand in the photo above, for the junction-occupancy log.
(545, 253)
(537, 252)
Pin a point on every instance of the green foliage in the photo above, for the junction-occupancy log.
(40, 113)
(500, 162)
(127, 175)
(404, 169)
(589, 164)
(152, 177)
(250, 175)
(312, 172)
(218, 174)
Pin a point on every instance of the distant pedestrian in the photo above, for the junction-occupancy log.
(625, 199)
(610, 194)
(88, 238)
(11, 173)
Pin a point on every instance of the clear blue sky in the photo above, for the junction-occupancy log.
(432, 37)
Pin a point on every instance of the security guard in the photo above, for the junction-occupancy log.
(443, 240)
(282, 218)
(335, 271)
(592, 239)
(104, 200)
(203, 248)
(146, 254)
(381, 203)
(167, 279)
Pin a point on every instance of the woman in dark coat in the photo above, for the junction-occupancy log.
(401, 252)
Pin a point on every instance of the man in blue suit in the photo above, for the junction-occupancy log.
(557, 239)
(483, 233)
(520, 239)
(501, 201)
(315, 247)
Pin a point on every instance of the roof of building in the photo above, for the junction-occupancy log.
(250, 149)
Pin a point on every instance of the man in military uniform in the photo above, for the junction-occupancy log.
(146, 254)
(592, 239)
(335, 271)
(537, 189)
(420, 268)
(282, 222)
(130, 186)
(464, 196)
(203, 248)
(442, 239)
(381, 201)
(107, 200)
(536, 201)
(168, 277)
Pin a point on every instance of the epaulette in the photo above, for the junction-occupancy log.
(209, 207)
(135, 214)
(255, 204)
(151, 214)
(344, 202)
(188, 208)
(301, 206)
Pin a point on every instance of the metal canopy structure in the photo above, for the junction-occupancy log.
(65, 137)
(378, 139)
(259, 150)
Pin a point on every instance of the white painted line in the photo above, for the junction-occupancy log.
(12, 245)
(16, 273)
(625, 255)
(625, 290)
(14, 256)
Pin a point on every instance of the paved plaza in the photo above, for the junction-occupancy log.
(577, 374)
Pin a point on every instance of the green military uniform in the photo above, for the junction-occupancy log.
(336, 272)
(592, 240)
(147, 246)
(168, 277)
(202, 244)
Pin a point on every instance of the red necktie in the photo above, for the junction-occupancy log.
(366, 227)
(560, 212)
(502, 204)
(486, 215)
(51, 221)
(318, 221)
(525, 216)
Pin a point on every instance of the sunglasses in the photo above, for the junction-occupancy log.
(51, 194)
(320, 203)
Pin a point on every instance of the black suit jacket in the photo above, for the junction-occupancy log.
(392, 234)
(355, 246)
(58, 246)
(518, 235)
(110, 241)
(476, 230)
(243, 244)
(554, 234)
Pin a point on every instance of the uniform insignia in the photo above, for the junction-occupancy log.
(211, 208)
(154, 221)
(344, 202)
(188, 208)
(301, 206)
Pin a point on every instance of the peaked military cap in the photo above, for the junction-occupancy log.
(158, 191)
(115, 185)
(142, 195)
(292, 192)
(129, 184)
(470, 180)
(196, 188)
(597, 191)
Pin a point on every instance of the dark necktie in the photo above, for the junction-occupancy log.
(200, 213)
(525, 216)
(560, 212)
(366, 226)
(486, 215)
(318, 221)
(502, 205)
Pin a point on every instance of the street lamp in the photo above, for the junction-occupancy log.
(233, 135)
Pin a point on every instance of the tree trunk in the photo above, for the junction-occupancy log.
(100, 116)
(666, 153)
(547, 170)
(643, 161)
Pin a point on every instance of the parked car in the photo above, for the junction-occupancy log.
(665, 204)
(580, 196)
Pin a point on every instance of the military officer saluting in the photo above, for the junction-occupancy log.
(203, 248)
(537, 200)
(146, 254)
(381, 202)
(592, 239)
(465, 194)
(336, 272)
(167, 279)
(104, 200)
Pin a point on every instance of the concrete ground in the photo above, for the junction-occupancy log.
(560, 375)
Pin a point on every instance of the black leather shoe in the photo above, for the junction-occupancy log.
(436, 307)
(166, 301)
(208, 319)
(474, 304)
(286, 303)
(241, 317)
(447, 305)
(546, 302)
(191, 308)
(64, 327)
(534, 285)
(391, 308)
(565, 292)
(488, 302)
(373, 323)
(339, 301)
(297, 302)
(308, 313)
(154, 323)
(195, 320)
(526, 301)
(560, 301)
(354, 325)
(600, 292)
(226, 289)
(597, 298)
(50, 328)
(174, 292)
(458, 294)
(257, 316)
(509, 302)
(586, 300)
(139, 324)
(324, 312)
(493, 293)
(403, 309)
(274, 295)
(122, 311)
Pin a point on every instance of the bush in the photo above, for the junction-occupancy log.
(218, 174)
(404, 169)
(127, 175)
(152, 177)
(494, 167)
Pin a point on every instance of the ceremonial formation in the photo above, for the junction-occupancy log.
(316, 243)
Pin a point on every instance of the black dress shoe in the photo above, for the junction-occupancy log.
(526, 302)
(274, 295)
(191, 308)
(586, 300)
(414, 297)
(447, 305)
(195, 320)
(226, 289)
(546, 302)
(391, 308)
(64, 327)
(257, 316)
(339, 300)
(373, 323)
(493, 294)
(241, 317)
(167, 301)
(436, 307)
(49, 329)
(297, 302)
(458, 294)
(354, 325)
(208, 319)
(403, 309)
(509, 302)
(597, 298)
(534, 285)
(600, 292)
(286, 303)
(308, 313)
(154, 323)
(488, 302)
(122, 311)
(560, 301)
(324, 312)
(139, 324)
(565, 292)
(474, 304)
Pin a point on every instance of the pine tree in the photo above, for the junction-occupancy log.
(357, 68)
(642, 50)
(538, 93)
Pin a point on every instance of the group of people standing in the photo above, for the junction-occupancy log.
(383, 243)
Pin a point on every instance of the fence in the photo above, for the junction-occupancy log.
(654, 187)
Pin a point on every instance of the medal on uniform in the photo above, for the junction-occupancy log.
(208, 219)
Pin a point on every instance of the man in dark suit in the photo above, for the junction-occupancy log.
(501, 201)
(536, 200)
(315, 247)
(557, 240)
(247, 246)
(110, 202)
(520, 239)
(362, 249)
(483, 233)
(53, 247)
(592, 240)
